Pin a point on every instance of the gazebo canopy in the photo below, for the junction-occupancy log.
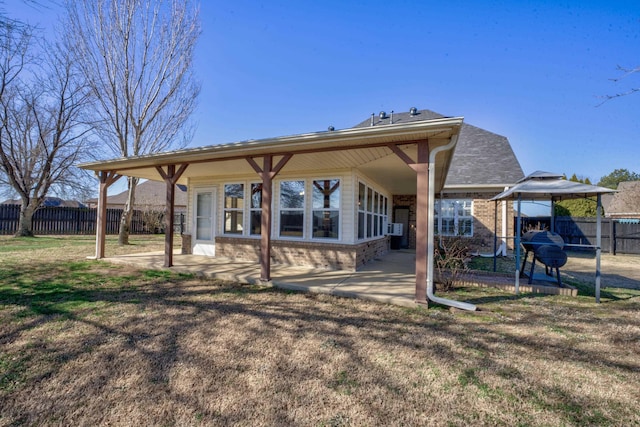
(542, 185)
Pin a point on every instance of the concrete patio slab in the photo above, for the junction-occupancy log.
(388, 280)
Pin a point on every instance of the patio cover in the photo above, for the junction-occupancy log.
(410, 158)
(542, 185)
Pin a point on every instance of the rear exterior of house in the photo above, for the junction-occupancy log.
(334, 219)
(339, 218)
(482, 166)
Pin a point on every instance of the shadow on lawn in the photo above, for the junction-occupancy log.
(162, 315)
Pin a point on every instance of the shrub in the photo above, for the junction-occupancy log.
(450, 258)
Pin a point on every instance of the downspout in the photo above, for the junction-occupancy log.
(430, 231)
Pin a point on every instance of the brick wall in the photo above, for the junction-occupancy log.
(409, 201)
(186, 244)
(310, 254)
(368, 251)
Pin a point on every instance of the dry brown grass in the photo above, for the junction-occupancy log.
(86, 343)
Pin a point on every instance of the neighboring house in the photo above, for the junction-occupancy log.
(150, 196)
(325, 199)
(50, 202)
(483, 165)
(625, 203)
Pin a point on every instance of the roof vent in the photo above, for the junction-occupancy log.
(383, 115)
(413, 111)
(331, 128)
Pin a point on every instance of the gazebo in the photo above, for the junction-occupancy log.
(542, 185)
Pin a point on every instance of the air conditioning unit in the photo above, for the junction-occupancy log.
(394, 229)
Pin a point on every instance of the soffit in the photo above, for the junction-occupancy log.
(362, 149)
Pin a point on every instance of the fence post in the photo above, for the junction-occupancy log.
(612, 236)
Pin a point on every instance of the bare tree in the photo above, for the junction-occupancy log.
(41, 130)
(137, 56)
(625, 73)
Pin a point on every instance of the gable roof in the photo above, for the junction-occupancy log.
(149, 194)
(481, 158)
(626, 202)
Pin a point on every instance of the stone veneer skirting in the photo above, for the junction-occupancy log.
(333, 256)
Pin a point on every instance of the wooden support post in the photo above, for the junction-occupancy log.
(422, 221)
(423, 216)
(106, 178)
(266, 173)
(170, 177)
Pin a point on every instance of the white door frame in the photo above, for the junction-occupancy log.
(204, 246)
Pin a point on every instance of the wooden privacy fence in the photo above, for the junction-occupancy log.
(618, 235)
(66, 220)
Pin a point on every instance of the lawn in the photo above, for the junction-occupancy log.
(89, 343)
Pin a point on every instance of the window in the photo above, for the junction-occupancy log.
(255, 213)
(292, 209)
(372, 212)
(233, 208)
(454, 217)
(326, 208)
(362, 189)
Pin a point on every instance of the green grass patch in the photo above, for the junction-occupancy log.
(12, 371)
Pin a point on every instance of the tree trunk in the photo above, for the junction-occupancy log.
(127, 213)
(25, 226)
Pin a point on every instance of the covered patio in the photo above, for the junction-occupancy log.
(411, 158)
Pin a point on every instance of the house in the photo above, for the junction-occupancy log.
(149, 196)
(326, 199)
(56, 202)
(625, 203)
(482, 166)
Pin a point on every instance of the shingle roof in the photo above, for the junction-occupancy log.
(50, 202)
(481, 157)
(626, 202)
(148, 194)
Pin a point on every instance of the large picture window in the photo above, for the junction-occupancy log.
(233, 208)
(326, 208)
(372, 212)
(292, 209)
(454, 217)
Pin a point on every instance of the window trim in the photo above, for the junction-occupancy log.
(242, 210)
(373, 214)
(339, 209)
(279, 209)
(456, 218)
(251, 209)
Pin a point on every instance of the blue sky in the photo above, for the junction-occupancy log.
(534, 71)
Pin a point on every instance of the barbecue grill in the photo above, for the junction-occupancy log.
(547, 250)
